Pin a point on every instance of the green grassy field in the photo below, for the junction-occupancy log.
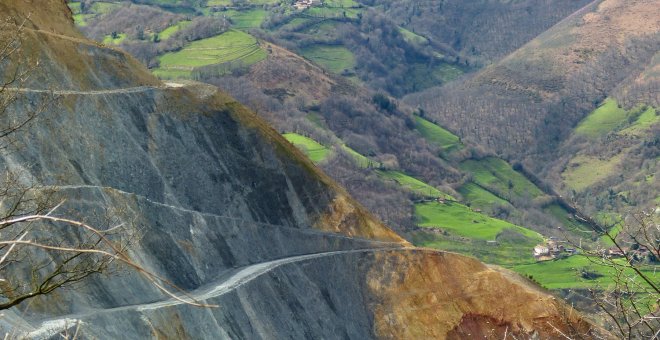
(412, 184)
(565, 273)
(327, 12)
(479, 197)
(497, 175)
(446, 72)
(561, 215)
(322, 29)
(103, 7)
(75, 7)
(218, 3)
(231, 46)
(647, 118)
(109, 40)
(610, 219)
(340, 3)
(361, 160)
(412, 37)
(81, 19)
(334, 58)
(606, 118)
(245, 19)
(436, 134)
(295, 23)
(467, 232)
(167, 33)
(463, 221)
(95, 8)
(420, 76)
(511, 248)
(315, 151)
(584, 171)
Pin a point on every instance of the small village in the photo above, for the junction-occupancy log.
(554, 248)
(305, 4)
(551, 249)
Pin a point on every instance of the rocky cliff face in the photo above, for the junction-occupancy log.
(227, 210)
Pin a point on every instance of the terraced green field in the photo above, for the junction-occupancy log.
(245, 19)
(463, 221)
(437, 135)
(412, 184)
(498, 176)
(334, 58)
(606, 118)
(315, 151)
(230, 47)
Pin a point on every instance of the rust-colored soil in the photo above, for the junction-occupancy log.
(431, 295)
(49, 37)
(345, 216)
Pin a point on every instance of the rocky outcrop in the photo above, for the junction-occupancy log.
(226, 209)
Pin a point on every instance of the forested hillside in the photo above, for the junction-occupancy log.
(477, 32)
(585, 87)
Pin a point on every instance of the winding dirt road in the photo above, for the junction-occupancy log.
(126, 90)
(226, 284)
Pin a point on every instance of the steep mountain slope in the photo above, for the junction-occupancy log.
(478, 32)
(342, 120)
(536, 95)
(229, 211)
(534, 104)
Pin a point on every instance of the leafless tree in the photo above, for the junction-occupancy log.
(631, 302)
